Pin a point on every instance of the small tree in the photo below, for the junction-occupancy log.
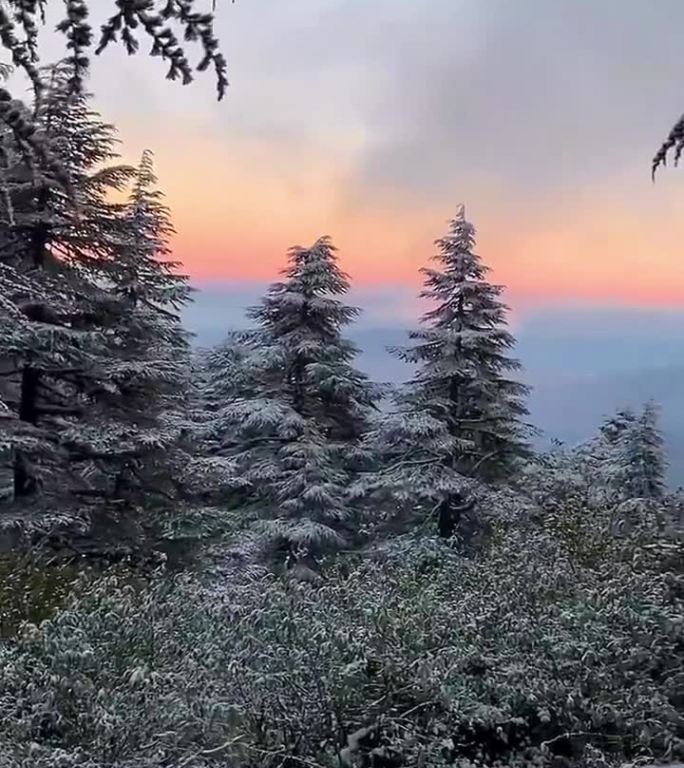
(614, 428)
(641, 456)
(301, 319)
(626, 460)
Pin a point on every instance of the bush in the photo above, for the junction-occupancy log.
(31, 592)
(558, 642)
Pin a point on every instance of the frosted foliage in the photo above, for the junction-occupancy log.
(93, 357)
(411, 451)
(148, 355)
(285, 402)
(559, 645)
(624, 463)
(463, 366)
(311, 364)
(157, 22)
(637, 459)
(55, 314)
(673, 145)
(460, 420)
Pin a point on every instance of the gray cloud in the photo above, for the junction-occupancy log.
(525, 95)
(547, 95)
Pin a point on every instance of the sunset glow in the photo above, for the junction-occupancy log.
(376, 145)
(238, 224)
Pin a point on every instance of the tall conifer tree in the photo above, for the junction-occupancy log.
(465, 373)
(294, 432)
(53, 313)
(145, 365)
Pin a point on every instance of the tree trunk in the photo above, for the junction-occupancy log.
(40, 231)
(25, 482)
(455, 394)
(299, 370)
(30, 379)
(450, 514)
(39, 236)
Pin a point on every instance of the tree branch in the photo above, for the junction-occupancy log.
(58, 410)
(249, 443)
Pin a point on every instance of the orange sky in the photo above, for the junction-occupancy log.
(236, 224)
(371, 122)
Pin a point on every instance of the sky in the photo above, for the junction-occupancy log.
(371, 121)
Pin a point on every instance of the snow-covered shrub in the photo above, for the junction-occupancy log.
(560, 639)
(29, 591)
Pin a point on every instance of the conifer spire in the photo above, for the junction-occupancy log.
(462, 353)
(294, 418)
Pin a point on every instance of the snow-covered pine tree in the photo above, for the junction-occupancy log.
(599, 458)
(230, 371)
(614, 427)
(295, 431)
(224, 375)
(53, 313)
(411, 469)
(303, 317)
(77, 221)
(626, 460)
(464, 368)
(220, 376)
(131, 443)
(641, 456)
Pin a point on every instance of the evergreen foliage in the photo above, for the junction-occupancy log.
(55, 314)
(553, 637)
(622, 467)
(641, 458)
(674, 143)
(459, 421)
(550, 648)
(147, 357)
(95, 364)
(409, 475)
(613, 428)
(627, 458)
(289, 406)
(463, 377)
(20, 21)
(301, 319)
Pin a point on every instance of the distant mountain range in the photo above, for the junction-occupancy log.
(578, 377)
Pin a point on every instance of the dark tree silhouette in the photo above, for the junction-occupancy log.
(673, 143)
(151, 19)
